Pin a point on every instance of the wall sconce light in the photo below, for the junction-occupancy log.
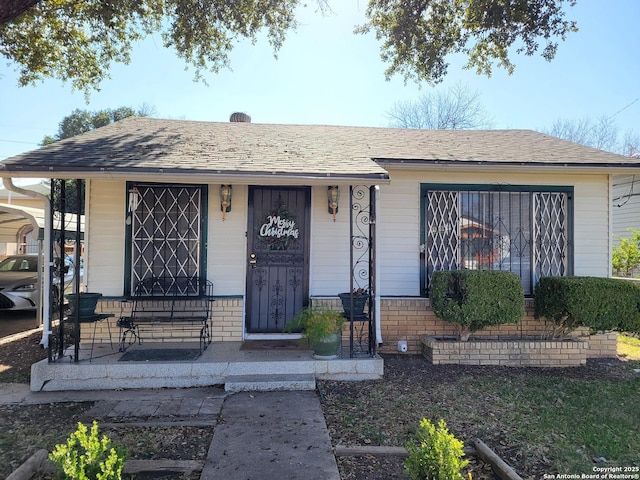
(225, 200)
(333, 195)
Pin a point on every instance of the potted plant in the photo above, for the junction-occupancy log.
(360, 299)
(323, 328)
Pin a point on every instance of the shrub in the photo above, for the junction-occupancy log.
(316, 323)
(88, 457)
(475, 299)
(435, 455)
(597, 303)
(626, 255)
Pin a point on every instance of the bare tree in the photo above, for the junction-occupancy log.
(457, 108)
(631, 144)
(602, 134)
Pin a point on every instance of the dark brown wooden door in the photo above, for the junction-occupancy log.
(278, 263)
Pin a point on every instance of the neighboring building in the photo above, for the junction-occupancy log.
(626, 205)
(249, 207)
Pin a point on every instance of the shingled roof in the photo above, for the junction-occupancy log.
(147, 145)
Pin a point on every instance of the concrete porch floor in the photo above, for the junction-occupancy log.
(220, 364)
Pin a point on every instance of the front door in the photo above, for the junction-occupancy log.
(278, 263)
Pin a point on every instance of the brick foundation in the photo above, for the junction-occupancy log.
(602, 345)
(407, 319)
(513, 353)
(226, 324)
(410, 319)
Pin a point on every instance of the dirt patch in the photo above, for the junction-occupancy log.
(17, 354)
(371, 467)
(24, 429)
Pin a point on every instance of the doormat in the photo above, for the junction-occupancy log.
(301, 344)
(161, 355)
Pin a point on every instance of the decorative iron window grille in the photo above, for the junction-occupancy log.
(166, 231)
(525, 230)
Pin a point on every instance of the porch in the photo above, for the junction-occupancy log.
(229, 363)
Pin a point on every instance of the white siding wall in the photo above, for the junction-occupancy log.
(329, 268)
(104, 269)
(227, 242)
(626, 207)
(592, 232)
(398, 228)
(398, 224)
(106, 240)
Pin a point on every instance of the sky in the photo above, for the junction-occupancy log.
(324, 74)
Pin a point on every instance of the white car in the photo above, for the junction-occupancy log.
(19, 281)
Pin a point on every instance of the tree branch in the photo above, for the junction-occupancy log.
(10, 9)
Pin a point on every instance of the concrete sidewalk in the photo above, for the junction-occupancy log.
(257, 435)
(271, 435)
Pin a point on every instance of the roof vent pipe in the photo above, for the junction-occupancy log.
(240, 117)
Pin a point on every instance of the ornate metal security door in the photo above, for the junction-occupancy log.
(278, 263)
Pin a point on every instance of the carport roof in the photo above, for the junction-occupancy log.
(146, 146)
(13, 218)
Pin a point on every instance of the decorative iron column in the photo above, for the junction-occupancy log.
(67, 208)
(362, 225)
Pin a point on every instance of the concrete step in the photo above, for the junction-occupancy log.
(265, 383)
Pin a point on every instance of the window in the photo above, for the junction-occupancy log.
(525, 230)
(166, 228)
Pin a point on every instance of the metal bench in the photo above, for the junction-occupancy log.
(167, 309)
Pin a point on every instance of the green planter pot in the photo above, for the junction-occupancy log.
(84, 302)
(327, 348)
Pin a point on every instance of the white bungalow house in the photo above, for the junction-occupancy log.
(269, 214)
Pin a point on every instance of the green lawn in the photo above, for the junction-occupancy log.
(540, 421)
(628, 347)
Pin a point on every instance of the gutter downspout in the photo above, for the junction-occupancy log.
(377, 263)
(46, 285)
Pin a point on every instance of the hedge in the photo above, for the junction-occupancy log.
(476, 299)
(600, 304)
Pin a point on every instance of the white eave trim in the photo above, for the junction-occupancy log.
(161, 176)
(585, 169)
